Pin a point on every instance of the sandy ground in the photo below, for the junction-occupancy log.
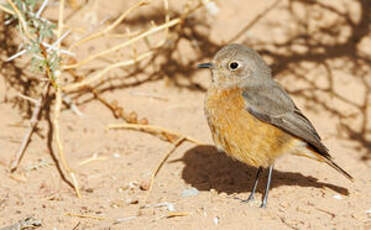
(321, 54)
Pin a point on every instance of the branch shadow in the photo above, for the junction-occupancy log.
(191, 36)
(206, 168)
(14, 74)
(49, 142)
(21, 81)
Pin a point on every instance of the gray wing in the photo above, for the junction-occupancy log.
(273, 105)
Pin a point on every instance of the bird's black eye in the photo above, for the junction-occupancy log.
(234, 65)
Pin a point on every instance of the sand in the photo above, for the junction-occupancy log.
(322, 59)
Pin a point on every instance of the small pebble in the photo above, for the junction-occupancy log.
(211, 7)
(170, 206)
(120, 220)
(190, 192)
(144, 185)
(132, 201)
(337, 196)
(116, 155)
(133, 184)
(216, 220)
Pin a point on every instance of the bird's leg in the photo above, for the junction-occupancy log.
(251, 197)
(264, 203)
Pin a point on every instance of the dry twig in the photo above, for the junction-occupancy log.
(118, 111)
(159, 166)
(127, 43)
(170, 136)
(175, 214)
(110, 27)
(54, 76)
(95, 157)
(33, 123)
(85, 216)
(86, 82)
(21, 19)
(57, 110)
(6, 10)
(100, 75)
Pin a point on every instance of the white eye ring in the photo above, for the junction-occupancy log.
(234, 65)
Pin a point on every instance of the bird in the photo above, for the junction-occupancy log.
(253, 119)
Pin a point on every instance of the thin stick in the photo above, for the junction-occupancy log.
(159, 166)
(124, 35)
(57, 109)
(157, 130)
(76, 226)
(56, 45)
(174, 214)
(72, 105)
(33, 123)
(30, 99)
(42, 7)
(58, 104)
(152, 129)
(110, 27)
(14, 56)
(85, 216)
(124, 219)
(21, 19)
(95, 157)
(127, 43)
(3, 8)
(100, 75)
(118, 111)
(50, 47)
(167, 19)
(60, 23)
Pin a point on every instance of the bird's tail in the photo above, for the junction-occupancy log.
(338, 168)
(312, 154)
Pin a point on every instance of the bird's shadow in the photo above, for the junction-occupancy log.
(206, 168)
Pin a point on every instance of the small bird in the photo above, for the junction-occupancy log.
(251, 117)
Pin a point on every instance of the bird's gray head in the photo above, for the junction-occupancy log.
(237, 65)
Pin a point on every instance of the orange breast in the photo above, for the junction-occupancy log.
(240, 134)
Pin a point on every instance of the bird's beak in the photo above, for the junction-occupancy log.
(208, 65)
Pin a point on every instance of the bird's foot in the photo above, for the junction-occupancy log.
(263, 205)
(250, 198)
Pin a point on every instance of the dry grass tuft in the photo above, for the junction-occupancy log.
(47, 47)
